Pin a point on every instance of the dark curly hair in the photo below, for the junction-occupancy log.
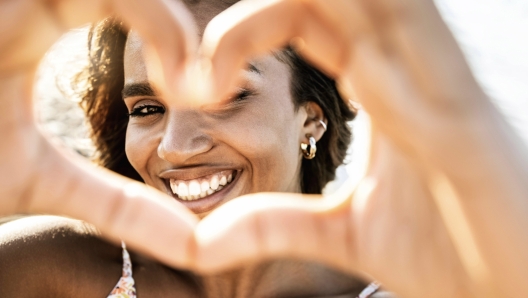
(108, 117)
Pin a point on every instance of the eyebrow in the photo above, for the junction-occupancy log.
(145, 89)
(137, 89)
(253, 68)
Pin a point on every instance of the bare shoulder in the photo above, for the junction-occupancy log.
(50, 256)
(55, 257)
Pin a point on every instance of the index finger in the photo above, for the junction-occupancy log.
(251, 28)
(120, 208)
(166, 25)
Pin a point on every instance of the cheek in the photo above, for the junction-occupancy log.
(140, 144)
(268, 140)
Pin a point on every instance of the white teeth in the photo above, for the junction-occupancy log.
(214, 182)
(194, 188)
(183, 191)
(204, 186)
(173, 186)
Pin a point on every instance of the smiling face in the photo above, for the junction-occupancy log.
(204, 156)
(253, 140)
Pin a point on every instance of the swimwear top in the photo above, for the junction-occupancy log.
(126, 288)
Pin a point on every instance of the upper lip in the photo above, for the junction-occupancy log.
(193, 173)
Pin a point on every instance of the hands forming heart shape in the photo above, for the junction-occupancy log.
(440, 212)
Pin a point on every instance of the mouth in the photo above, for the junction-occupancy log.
(202, 194)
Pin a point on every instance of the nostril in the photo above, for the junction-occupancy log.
(178, 149)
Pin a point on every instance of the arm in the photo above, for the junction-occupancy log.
(49, 256)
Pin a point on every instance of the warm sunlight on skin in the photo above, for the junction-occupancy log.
(500, 78)
(501, 67)
(459, 229)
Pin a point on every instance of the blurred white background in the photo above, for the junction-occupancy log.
(492, 33)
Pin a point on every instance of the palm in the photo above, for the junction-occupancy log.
(401, 237)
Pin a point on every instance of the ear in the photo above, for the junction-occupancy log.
(312, 124)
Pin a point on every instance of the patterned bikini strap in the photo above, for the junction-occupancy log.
(372, 288)
(125, 287)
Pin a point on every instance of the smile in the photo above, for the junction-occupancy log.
(195, 189)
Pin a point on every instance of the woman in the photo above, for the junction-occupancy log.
(206, 156)
(386, 53)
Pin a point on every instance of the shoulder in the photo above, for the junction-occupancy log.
(63, 257)
(58, 256)
(39, 228)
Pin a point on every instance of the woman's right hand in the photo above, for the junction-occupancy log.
(442, 209)
(38, 177)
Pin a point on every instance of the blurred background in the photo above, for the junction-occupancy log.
(492, 33)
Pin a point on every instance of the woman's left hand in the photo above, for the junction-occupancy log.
(442, 209)
(36, 176)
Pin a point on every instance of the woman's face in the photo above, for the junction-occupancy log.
(206, 155)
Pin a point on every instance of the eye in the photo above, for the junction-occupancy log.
(241, 94)
(146, 110)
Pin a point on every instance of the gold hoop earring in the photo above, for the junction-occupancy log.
(309, 150)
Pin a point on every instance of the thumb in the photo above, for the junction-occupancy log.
(270, 225)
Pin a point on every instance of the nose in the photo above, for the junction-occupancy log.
(184, 137)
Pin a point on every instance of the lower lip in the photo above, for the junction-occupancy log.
(210, 202)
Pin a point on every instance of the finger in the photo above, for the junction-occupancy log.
(22, 45)
(252, 28)
(263, 226)
(144, 218)
(164, 23)
(168, 28)
(171, 43)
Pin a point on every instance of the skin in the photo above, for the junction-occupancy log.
(443, 200)
(53, 256)
(258, 136)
